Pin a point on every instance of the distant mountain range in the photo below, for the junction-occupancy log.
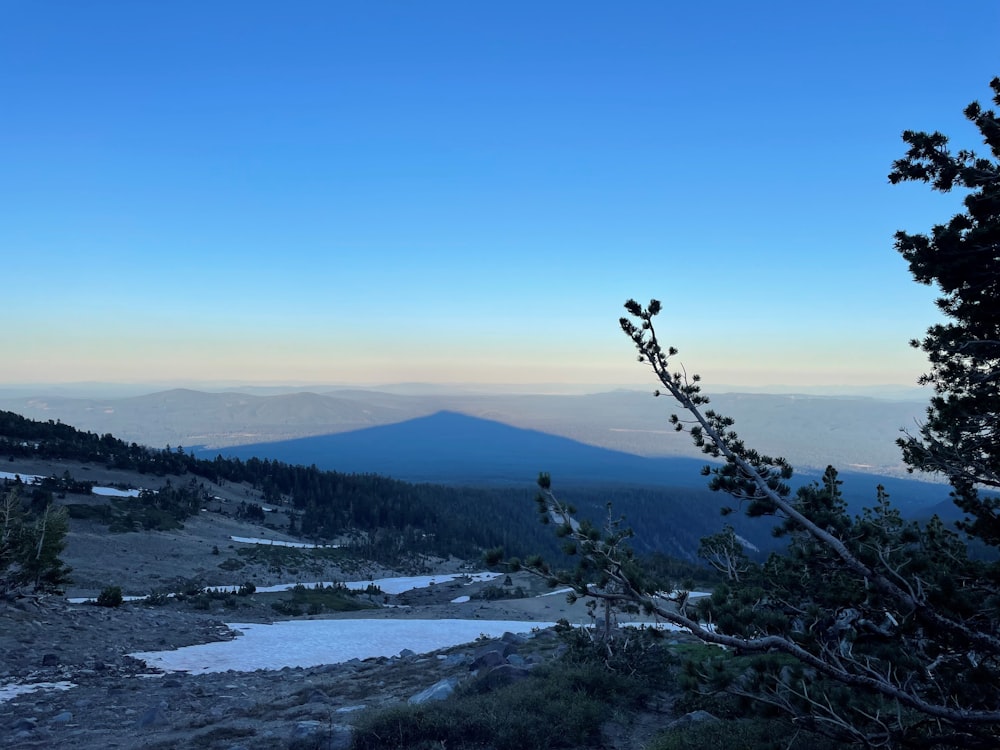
(852, 433)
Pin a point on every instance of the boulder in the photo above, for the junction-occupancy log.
(436, 692)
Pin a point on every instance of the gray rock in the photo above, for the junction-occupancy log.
(503, 647)
(320, 734)
(351, 709)
(436, 692)
(307, 730)
(318, 696)
(341, 737)
(695, 717)
(492, 655)
(517, 660)
(455, 660)
(27, 724)
(50, 660)
(499, 676)
(63, 717)
(154, 716)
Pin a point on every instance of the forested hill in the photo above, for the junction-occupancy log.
(417, 517)
(396, 515)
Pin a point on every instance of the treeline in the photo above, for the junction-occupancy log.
(390, 516)
(385, 517)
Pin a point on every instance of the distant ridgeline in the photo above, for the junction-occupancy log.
(399, 517)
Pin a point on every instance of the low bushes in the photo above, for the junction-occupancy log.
(110, 596)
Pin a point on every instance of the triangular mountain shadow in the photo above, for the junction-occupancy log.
(452, 447)
(455, 448)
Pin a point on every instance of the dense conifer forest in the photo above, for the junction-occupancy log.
(384, 517)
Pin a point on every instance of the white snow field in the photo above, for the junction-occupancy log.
(310, 643)
(12, 689)
(279, 543)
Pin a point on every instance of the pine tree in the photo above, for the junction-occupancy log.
(30, 545)
(894, 630)
(961, 437)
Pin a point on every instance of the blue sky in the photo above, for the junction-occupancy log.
(372, 192)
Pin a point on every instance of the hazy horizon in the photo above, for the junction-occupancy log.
(97, 389)
(462, 193)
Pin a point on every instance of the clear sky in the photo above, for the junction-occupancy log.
(377, 192)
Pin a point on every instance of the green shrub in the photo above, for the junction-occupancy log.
(110, 596)
(559, 705)
(246, 589)
(493, 593)
(336, 598)
(201, 602)
(287, 608)
(156, 599)
(191, 587)
(762, 734)
(82, 511)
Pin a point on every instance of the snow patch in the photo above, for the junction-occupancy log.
(9, 690)
(113, 492)
(279, 543)
(312, 643)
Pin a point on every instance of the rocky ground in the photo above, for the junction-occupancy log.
(117, 702)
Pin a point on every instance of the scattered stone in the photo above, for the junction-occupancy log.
(695, 717)
(154, 716)
(517, 660)
(455, 660)
(499, 676)
(119, 701)
(321, 734)
(490, 656)
(318, 696)
(351, 709)
(436, 692)
(304, 729)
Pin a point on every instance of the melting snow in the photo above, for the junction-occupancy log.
(310, 643)
(11, 689)
(104, 491)
(113, 492)
(279, 543)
